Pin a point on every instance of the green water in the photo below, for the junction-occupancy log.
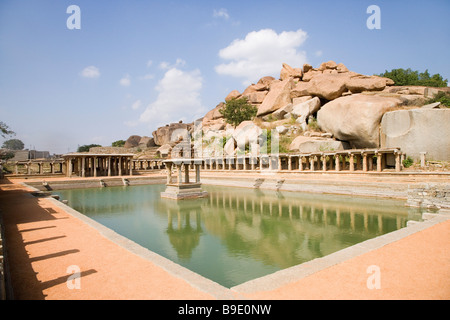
(239, 234)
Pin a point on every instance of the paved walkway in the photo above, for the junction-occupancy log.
(44, 240)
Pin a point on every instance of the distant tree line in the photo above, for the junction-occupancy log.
(86, 147)
(409, 77)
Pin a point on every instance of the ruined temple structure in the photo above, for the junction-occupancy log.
(94, 165)
(182, 188)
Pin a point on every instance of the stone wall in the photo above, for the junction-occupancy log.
(107, 150)
(418, 130)
(433, 196)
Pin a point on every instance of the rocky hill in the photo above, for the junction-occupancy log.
(321, 109)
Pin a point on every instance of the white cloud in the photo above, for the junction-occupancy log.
(261, 53)
(136, 105)
(149, 63)
(90, 72)
(221, 13)
(178, 63)
(178, 98)
(318, 53)
(125, 81)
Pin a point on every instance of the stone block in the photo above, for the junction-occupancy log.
(416, 131)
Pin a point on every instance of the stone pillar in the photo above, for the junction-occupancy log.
(279, 162)
(311, 163)
(364, 162)
(83, 167)
(422, 159)
(95, 166)
(120, 166)
(324, 163)
(300, 163)
(337, 162)
(197, 173)
(186, 173)
(169, 172)
(69, 168)
(109, 166)
(397, 162)
(289, 163)
(379, 161)
(179, 176)
(351, 162)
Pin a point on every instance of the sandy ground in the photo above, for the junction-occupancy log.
(44, 242)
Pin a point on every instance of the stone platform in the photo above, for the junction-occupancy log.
(184, 191)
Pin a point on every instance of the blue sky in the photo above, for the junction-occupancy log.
(136, 65)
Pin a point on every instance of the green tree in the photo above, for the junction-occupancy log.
(409, 77)
(85, 148)
(237, 110)
(442, 97)
(118, 143)
(6, 154)
(13, 144)
(4, 129)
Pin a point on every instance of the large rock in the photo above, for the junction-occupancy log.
(218, 124)
(247, 132)
(288, 72)
(264, 83)
(132, 141)
(341, 68)
(416, 131)
(365, 83)
(214, 114)
(301, 99)
(146, 142)
(310, 74)
(328, 86)
(282, 112)
(164, 150)
(328, 65)
(278, 97)
(300, 89)
(256, 97)
(229, 147)
(304, 109)
(170, 133)
(307, 67)
(356, 118)
(232, 95)
(304, 144)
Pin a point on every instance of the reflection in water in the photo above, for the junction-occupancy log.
(239, 234)
(184, 238)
